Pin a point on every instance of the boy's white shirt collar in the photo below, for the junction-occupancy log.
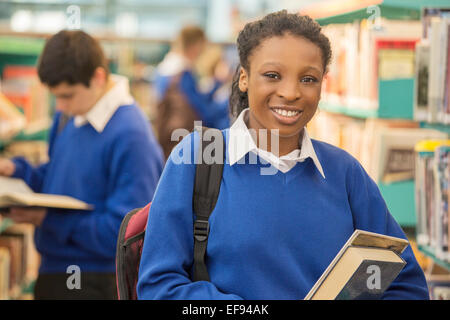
(241, 143)
(100, 114)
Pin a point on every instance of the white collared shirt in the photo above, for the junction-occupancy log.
(241, 143)
(100, 114)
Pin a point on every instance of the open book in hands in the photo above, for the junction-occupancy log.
(15, 193)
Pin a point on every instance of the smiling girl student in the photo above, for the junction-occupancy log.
(271, 236)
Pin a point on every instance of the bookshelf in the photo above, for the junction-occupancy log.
(345, 11)
(395, 101)
(395, 97)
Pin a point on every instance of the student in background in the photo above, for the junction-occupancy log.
(181, 102)
(271, 236)
(105, 154)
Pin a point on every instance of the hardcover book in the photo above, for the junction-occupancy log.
(362, 270)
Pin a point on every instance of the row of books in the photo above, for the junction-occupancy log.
(19, 260)
(384, 147)
(12, 120)
(432, 68)
(432, 196)
(24, 103)
(364, 53)
(21, 85)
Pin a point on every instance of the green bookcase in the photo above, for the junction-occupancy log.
(400, 200)
(395, 100)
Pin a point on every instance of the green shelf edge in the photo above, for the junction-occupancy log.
(389, 9)
(38, 136)
(21, 46)
(5, 224)
(428, 251)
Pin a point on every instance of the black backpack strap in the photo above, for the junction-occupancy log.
(206, 191)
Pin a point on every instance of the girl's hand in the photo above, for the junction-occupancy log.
(34, 216)
(7, 167)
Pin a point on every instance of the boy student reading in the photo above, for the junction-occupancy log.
(271, 236)
(105, 155)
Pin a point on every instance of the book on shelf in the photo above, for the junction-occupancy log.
(442, 177)
(15, 193)
(428, 14)
(395, 58)
(342, 131)
(363, 55)
(422, 67)
(439, 286)
(362, 270)
(391, 152)
(30, 257)
(5, 262)
(15, 246)
(432, 196)
(438, 77)
(19, 260)
(21, 85)
(12, 121)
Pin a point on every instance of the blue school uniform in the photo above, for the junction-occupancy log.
(115, 168)
(213, 112)
(271, 235)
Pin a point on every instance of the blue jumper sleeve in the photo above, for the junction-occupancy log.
(135, 165)
(210, 111)
(34, 176)
(370, 213)
(167, 255)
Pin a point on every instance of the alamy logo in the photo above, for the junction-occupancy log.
(374, 19)
(74, 280)
(374, 280)
(74, 17)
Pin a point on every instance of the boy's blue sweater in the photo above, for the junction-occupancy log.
(116, 170)
(213, 113)
(271, 236)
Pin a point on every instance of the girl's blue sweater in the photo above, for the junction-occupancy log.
(116, 170)
(271, 236)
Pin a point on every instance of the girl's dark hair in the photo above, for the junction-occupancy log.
(272, 25)
(72, 57)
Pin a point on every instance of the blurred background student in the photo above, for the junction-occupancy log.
(181, 101)
(105, 154)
